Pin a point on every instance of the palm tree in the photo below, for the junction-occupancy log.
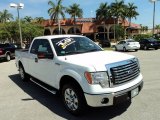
(74, 11)
(131, 12)
(39, 19)
(28, 19)
(118, 10)
(103, 13)
(5, 16)
(157, 28)
(55, 11)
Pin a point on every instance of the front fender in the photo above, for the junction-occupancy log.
(78, 76)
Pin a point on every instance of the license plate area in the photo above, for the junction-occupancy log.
(134, 92)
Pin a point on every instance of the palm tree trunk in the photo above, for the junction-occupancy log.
(59, 25)
(129, 27)
(74, 25)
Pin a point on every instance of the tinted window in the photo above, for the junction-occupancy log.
(41, 45)
(121, 42)
(131, 41)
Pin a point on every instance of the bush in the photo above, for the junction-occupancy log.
(141, 36)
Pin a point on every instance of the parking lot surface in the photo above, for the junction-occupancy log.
(27, 101)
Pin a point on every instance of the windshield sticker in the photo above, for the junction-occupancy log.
(65, 42)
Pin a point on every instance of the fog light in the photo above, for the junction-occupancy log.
(105, 101)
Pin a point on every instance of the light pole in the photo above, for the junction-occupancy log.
(18, 6)
(154, 8)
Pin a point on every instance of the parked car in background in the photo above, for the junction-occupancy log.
(7, 51)
(148, 43)
(104, 43)
(128, 44)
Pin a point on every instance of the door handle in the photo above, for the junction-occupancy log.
(36, 59)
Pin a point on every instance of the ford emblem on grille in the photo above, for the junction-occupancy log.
(130, 71)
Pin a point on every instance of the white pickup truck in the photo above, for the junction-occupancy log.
(81, 71)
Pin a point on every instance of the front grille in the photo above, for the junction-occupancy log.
(125, 73)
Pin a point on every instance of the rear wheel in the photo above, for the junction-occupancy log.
(145, 48)
(24, 76)
(8, 57)
(116, 49)
(73, 99)
(124, 49)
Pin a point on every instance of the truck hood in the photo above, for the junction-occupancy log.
(98, 60)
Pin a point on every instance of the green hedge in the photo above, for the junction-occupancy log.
(140, 36)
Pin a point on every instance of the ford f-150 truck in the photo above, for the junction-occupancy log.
(80, 70)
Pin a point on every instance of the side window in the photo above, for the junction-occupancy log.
(121, 42)
(41, 45)
(44, 46)
(34, 48)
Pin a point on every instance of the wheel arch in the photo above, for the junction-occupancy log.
(66, 79)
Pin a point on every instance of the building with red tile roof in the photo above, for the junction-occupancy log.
(89, 27)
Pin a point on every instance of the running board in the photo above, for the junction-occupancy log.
(44, 85)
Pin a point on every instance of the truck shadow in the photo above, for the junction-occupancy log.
(53, 103)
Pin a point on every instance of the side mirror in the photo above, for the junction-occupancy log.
(44, 55)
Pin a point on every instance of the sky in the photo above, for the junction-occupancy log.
(39, 8)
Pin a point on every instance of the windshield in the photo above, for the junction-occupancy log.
(74, 45)
(131, 40)
(152, 40)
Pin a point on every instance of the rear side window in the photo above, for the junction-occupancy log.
(41, 45)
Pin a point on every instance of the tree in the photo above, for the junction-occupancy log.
(10, 31)
(157, 28)
(74, 11)
(5, 16)
(103, 13)
(118, 10)
(28, 19)
(131, 12)
(55, 11)
(39, 20)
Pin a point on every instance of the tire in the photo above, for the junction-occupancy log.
(116, 49)
(24, 76)
(73, 99)
(136, 50)
(156, 48)
(8, 57)
(145, 48)
(124, 49)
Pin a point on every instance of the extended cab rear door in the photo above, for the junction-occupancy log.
(42, 69)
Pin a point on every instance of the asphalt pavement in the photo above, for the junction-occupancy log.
(27, 101)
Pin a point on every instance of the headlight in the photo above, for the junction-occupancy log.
(136, 59)
(97, 78)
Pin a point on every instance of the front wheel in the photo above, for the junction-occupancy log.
(73, 99)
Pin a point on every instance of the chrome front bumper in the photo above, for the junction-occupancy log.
(111, 98)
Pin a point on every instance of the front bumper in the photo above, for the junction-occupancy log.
(112, 98)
